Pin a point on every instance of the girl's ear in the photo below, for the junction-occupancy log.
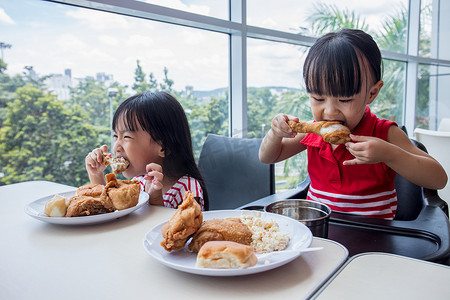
(374, 90)
(162, 152)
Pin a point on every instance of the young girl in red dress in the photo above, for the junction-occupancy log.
(342, 74)
(151, 131)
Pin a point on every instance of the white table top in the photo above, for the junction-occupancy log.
(388, 276)
(39, 260)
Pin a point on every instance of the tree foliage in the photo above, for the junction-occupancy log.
(43, 139)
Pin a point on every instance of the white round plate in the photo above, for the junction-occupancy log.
(183, 260)
(36, 210)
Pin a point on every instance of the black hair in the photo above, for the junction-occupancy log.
(332, 66)
(163, 117)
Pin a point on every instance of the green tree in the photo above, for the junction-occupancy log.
(140, 83)
(8, 86)
(326, 18)
(167, 83)
(259, 113)
(41, 139)
(92, 97)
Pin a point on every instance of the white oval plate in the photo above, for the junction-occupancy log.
(36, 210)
(183, 260)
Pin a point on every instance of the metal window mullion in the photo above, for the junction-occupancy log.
(412, 66)
(434, 81)
(238, 71)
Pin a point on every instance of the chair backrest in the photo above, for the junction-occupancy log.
(444, 125)
(437, 143)
(232, 171)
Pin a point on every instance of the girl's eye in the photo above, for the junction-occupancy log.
(127, 137)
(318, 99)
(345, 100)
(115, 136)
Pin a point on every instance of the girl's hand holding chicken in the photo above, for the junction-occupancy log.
(280, 127)
(95, 166)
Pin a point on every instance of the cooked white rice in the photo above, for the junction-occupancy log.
(266, 234)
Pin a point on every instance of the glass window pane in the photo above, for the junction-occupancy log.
(423, 96)
(432, 96)
(443, 30)
(386, 20)
(389, 102)
(77, 54)
(425, 29)
(443, 90)
(275, 85)
(217, 9)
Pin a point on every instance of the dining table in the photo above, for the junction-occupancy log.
(387, 276)
(107, 260)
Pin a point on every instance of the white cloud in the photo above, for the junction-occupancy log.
(191, 37)
(108, 40)
(70, 43)
(176, 4)
(4, 18)
(97, 20)
(138, 40)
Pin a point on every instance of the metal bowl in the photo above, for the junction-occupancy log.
(313, 214)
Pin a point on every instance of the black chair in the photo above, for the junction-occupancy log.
(420, 229)
(233, 173)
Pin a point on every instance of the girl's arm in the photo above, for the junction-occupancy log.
(400, 154)
(280, 142)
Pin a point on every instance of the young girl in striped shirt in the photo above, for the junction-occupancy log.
(342, 74)
(151, 131)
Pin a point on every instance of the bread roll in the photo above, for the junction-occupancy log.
(56, 207)
(225, 255)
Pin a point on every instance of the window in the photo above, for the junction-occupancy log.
(81, 53)
(232, 72)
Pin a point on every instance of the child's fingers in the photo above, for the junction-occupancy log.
(104, 148)
(359, 138)
(156, 185)
(352, 162)
(154, 175)
(153, 167)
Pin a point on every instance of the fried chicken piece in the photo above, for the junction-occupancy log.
(183, 224)
(86, 206)
(92, 190)
(118, 164)
(228, 229)
(332, 132)
(122, 193)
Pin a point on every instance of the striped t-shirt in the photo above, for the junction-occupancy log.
(175, 194)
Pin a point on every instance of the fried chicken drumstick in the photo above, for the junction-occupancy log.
(183, 224)
(332, 132)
